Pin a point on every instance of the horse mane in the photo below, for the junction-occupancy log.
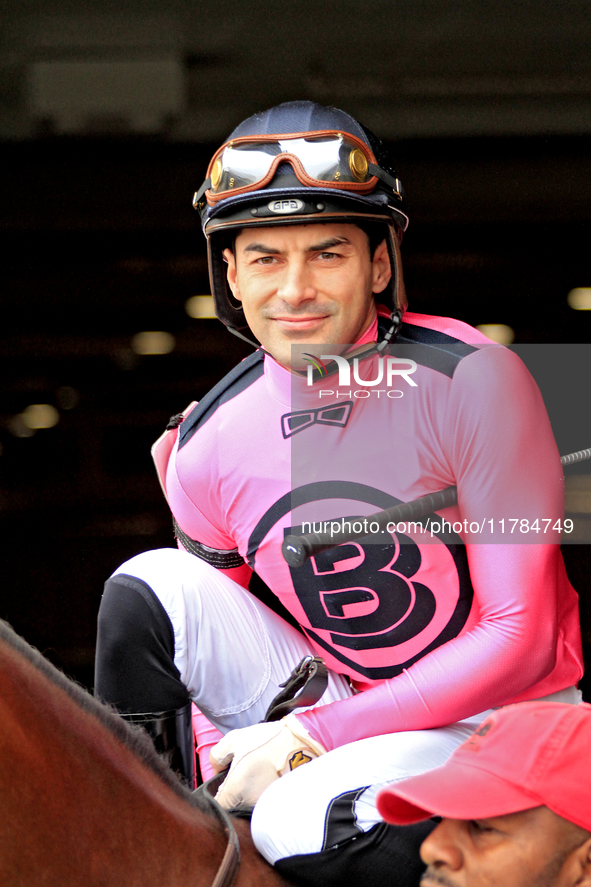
(133, 737)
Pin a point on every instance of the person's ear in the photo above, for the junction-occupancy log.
(581, 866)
(380, 268)
(231, 273)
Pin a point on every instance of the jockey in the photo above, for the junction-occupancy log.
(350, 404)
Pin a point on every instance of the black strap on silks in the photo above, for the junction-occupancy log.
(304, 687)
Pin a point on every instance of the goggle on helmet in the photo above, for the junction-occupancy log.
(324, 169)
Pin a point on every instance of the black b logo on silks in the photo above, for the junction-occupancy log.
(366, 601)
(361, 592)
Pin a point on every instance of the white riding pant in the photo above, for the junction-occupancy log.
(232, 653)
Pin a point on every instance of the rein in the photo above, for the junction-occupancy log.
(228, 867)
(304, 687)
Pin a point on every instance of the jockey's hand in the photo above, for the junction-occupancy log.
(259, 755)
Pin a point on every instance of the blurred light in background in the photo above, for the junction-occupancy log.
(497, 332)
(200, 307)
(40, 415)
(153, 343)
(32, 419)
(578, 493)
(580, 298)
(18, 428)
(67, 397)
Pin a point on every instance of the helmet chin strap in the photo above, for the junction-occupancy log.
(256, 345)
(364, 351)
(392, 331)
(360, 353)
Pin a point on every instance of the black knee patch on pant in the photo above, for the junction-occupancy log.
(340, 824)
(135, 668)
(386, 854)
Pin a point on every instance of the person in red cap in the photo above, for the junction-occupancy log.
(515, 800)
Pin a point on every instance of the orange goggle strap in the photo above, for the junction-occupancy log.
(355, 187)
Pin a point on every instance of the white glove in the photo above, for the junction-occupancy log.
(259, 755)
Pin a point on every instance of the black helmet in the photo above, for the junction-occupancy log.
(294, 164)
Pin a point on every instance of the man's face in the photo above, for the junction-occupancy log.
(306, 284)
(535, 848)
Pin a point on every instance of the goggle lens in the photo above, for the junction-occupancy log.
(330, 158)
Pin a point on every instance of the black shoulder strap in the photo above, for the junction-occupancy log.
(237, 380)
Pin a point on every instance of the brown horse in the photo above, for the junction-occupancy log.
(86, 801)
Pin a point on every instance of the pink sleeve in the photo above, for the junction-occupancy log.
(511, 648)
(206, 736)
(502, 452)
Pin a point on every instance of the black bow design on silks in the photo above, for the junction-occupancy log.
(332, 414)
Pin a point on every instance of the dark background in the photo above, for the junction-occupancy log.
(487, 108)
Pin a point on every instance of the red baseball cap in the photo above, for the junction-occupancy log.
(531, 754)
